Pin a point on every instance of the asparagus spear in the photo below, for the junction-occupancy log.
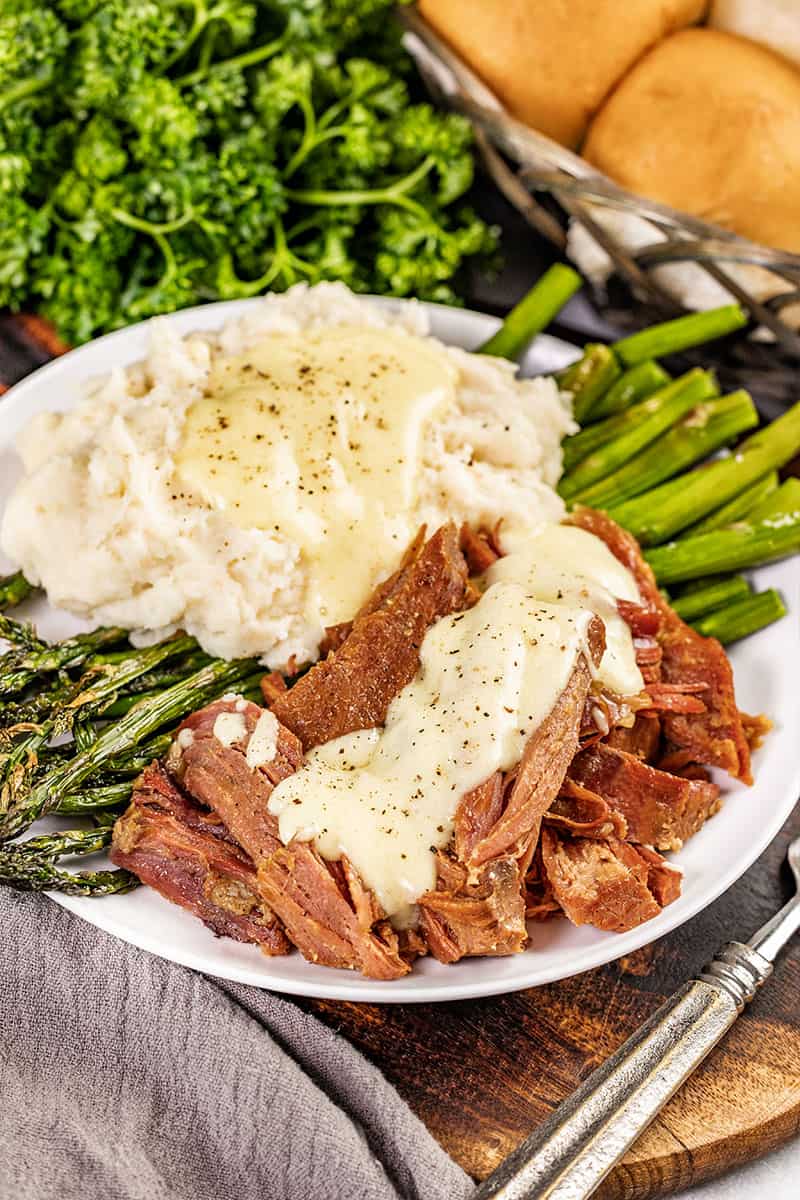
(742, 617)
(697, 601)
(72, 652)
(589, 378)
(580, 445)
(646, 421)
(190, 663)
(20, 807)
(19, 668)
(673, 336)
(657, 515)
(20, 634)
(703, 430)
(30, 866)
(18, 764)
(32, 710)
(135, 760)
(534, 312)
(122, 705)
(70, 705)
(13, 590)
(732, 549)
(740, 506)
(107, 795)
(122, 768)
(93, 691)
(36, 875)
(158, 680)
(249, 688)
(637, 383)
(57, 845)
(83, 734)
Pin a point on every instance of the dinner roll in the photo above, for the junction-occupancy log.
(552, 63)
(709, 123)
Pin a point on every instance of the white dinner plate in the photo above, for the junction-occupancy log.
(766, 668)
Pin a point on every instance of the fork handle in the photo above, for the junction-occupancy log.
(572, 1152)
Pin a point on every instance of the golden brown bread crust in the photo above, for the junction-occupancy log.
(709, 123)
(553, 64)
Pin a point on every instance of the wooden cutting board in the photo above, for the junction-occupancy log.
(481, 1074)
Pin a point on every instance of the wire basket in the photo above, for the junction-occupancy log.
(579, 195)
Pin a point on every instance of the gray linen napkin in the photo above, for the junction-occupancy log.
(123, 1077)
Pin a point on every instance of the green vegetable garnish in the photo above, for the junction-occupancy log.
(160, 153)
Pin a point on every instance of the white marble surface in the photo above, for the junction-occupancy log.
(776, 1177)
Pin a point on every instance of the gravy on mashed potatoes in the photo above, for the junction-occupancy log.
(316, 438)
(252, 486)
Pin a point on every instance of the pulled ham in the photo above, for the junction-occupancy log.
(187, 854)
(353, 687)
(610, 884)
(324, 908)
(478, 906)
(576, 827)
(690, 664)
(660, 809)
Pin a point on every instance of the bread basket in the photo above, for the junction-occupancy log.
(556, 191)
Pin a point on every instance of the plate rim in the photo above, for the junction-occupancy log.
(339, 985)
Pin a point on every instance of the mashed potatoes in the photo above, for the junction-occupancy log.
(107, 521)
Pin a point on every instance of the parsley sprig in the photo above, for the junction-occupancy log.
(159, 153)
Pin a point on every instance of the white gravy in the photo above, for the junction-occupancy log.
(386, 798)
(487, 679)
(317, 437)
(565, 564)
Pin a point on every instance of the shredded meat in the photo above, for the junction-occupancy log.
(479, 548)
(571, 829)
(325, 909)
(583, 813)
(540, 903)
(478, 906)
(716, 735)
(644, 622)
(272, 686)
(609, 884)
(477, 812)
(660, 809)
(332, 921)
(755, 729)
(643, 738)
(188, 855)
(335, 635)
(353, 688)
(676, 697)
(547, 755)
(219, 778)
(480, 916)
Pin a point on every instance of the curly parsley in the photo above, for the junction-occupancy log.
(160, 153)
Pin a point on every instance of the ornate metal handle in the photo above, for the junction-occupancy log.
(570, 1154)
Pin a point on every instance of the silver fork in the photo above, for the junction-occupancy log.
(573, 1151)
